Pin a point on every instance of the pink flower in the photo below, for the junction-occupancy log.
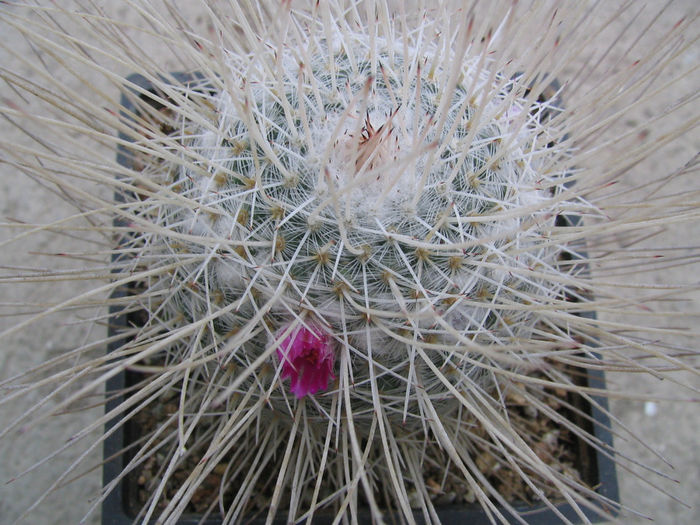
(307, 358)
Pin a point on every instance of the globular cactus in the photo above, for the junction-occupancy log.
(349, 258)
(402, 222)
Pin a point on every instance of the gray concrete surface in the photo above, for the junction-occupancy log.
(672, 429)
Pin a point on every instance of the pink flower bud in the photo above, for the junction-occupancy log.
(307, 358)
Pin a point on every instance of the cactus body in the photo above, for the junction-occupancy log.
(372, 202)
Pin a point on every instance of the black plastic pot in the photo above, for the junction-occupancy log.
(120, 506)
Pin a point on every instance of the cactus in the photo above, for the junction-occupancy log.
(356, 247)
(376, 211)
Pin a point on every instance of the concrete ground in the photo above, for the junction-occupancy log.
(671, 429)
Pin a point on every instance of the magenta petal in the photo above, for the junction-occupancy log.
(307, 357)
